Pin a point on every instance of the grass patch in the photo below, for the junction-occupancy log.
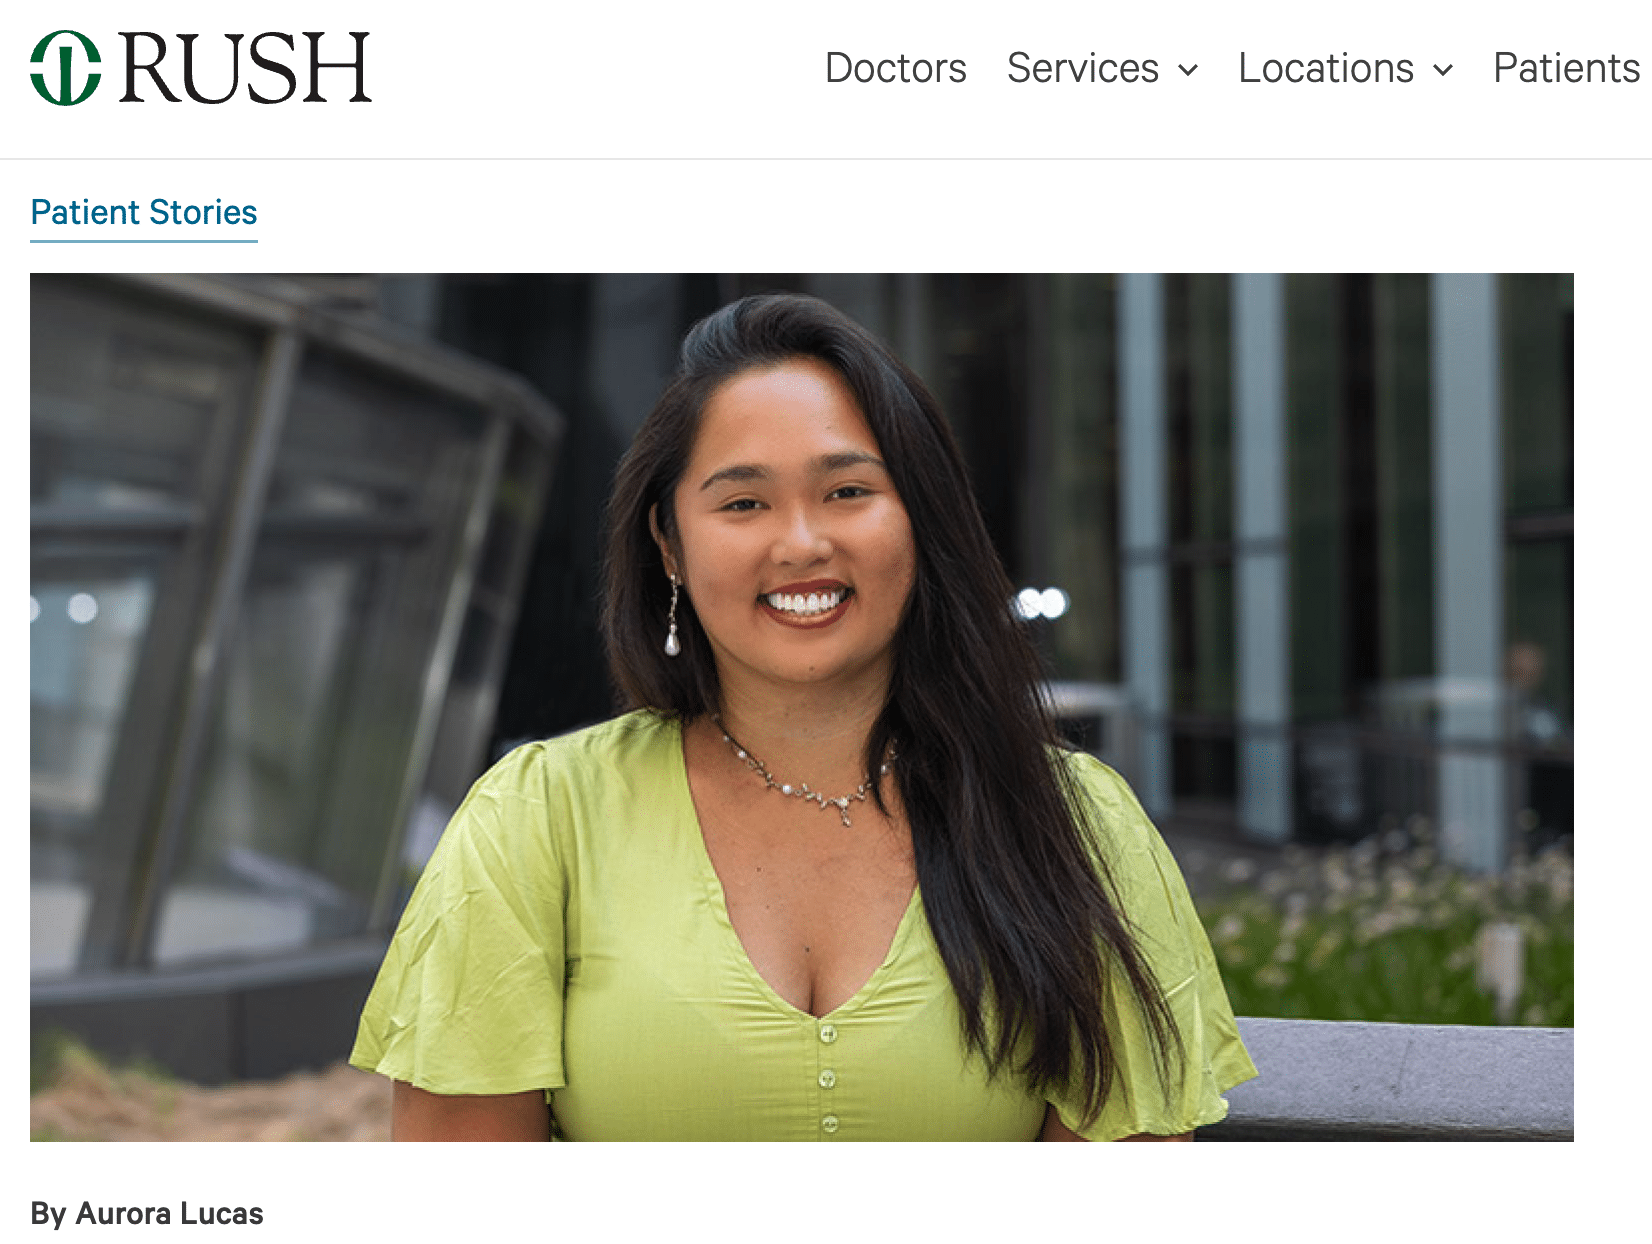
(49, 1053)
(57, 1058)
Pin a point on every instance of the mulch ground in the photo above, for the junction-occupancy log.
(89, 1101)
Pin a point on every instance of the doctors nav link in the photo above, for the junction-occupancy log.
(842, 67)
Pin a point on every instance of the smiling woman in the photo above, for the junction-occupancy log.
(833, 858)
(784, 485)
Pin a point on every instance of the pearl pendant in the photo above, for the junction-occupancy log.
(672, 647)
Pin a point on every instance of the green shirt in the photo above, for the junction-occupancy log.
(570, 934)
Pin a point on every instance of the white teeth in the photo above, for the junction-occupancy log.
(813, 603)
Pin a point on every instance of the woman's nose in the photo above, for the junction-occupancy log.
(801, 538)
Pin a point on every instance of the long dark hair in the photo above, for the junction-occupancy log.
(1017, 893)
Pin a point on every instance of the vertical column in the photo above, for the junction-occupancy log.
(1468, 568)
(1142, 529)
(1261, 571)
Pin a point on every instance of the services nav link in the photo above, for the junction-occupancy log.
(1022, 67)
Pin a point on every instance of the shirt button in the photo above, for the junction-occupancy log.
(828, 1033)
(828, 1078)
(829, 1123)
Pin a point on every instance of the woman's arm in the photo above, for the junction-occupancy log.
(419, 1115)
(1055, 1129)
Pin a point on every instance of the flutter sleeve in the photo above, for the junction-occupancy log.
(1156, 903)
(469, 999)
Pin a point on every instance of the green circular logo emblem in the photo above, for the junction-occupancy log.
(65, 69)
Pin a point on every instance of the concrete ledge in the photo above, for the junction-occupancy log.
(1345, 1081)
(216, 1023)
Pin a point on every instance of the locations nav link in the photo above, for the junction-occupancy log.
(1338, 68)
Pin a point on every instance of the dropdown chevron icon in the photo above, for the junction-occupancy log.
(1442, 72)
(1187, 69)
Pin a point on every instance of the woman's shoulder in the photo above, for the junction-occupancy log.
(1106, 792)
(634, 742)
(562, 785)
(1139, 863)
(1119, 827)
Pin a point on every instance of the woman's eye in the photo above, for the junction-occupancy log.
(742, 505)
(851, 490)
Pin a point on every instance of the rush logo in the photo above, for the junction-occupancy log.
(206, 69)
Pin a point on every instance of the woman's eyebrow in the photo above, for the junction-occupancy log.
(842, 460)
(823, 465)
(737, 474)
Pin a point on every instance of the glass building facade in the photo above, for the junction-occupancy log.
(1318, 528)
(275, 559)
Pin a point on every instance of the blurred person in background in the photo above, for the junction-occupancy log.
(832, 876)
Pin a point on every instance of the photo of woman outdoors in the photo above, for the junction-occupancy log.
(825, 706)
(832, 875)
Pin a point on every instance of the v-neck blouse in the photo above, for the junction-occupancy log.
(570, 934)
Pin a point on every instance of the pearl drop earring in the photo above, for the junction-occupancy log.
(672, 647)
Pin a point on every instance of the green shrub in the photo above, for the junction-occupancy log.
(1356, 934)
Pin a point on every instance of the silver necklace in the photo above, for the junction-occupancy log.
(801, 789)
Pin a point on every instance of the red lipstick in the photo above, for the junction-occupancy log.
(805, 587)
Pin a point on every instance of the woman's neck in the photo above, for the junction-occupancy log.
(813, 735)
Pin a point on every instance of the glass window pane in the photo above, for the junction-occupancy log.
(325, 677)
(1200, 408)
(1538, 587)
(300, 663)
(1314, 440)
(1404, 477)
(1081, 501)
(980, 360)
(357, 444)
(1537, 393)
(1202, 639)
(88, 623)
(124, 397)
(1206, 778)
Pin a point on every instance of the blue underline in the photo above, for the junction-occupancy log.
(145, 241)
